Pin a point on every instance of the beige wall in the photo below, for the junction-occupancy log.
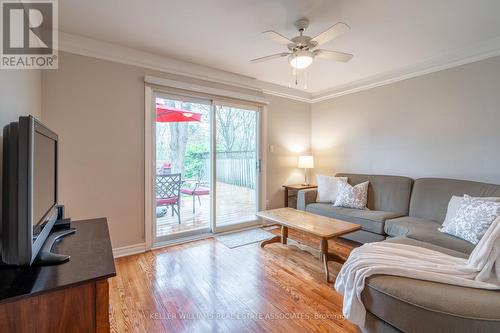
(444, 124)
(20, 94)
(289, 135)
(97, 108)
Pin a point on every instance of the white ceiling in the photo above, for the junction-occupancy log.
(386, 35)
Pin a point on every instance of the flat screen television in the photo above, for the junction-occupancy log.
(29, 189)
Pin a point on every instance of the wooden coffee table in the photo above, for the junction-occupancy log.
(322, 227)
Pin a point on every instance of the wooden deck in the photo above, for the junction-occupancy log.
(234, 204)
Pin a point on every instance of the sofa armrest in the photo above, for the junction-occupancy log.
(305, 197)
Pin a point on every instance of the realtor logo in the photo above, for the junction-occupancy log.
(29, 34)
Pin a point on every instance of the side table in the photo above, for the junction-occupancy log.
(294, 188)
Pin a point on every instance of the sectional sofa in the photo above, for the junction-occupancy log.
(410, 211)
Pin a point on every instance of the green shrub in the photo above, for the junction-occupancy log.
(196, 154)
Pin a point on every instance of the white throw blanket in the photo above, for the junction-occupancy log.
(481, 270)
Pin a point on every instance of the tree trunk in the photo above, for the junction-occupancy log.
(177, 146)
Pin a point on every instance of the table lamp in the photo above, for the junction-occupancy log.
(306, 162)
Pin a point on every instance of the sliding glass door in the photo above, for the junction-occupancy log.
(237, 165)
(206, 166)
(183, 183)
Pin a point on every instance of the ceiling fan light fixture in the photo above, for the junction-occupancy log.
(301, 59)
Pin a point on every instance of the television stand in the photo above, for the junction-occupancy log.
(70, 297)
(45, 256)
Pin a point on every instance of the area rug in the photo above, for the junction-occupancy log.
(246, 237)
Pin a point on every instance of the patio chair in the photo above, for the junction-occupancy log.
(168, 193)
(199, 188)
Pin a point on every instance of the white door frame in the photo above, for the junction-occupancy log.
(150, 169)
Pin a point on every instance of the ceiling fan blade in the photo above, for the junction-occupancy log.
(269, 57)
(333, 55)
(273, 35)
(331, 33)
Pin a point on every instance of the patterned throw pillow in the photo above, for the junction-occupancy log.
(352, 196)
(472, 219)
(456, 202)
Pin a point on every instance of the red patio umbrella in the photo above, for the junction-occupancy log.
(167, 114)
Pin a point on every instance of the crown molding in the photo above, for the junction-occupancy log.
(470, 54)
(106, 51)
(84, 46)
(285, 95)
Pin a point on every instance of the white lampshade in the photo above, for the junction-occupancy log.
(301, 59)
(306, 162)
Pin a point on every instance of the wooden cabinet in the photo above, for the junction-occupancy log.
(71, 297)
(81, 308)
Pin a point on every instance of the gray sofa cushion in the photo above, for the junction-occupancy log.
(385, 193)
(363, 237)
(306, 197)
(424, 306)
(370, 220)
(430, 196)
(427, 231)
(414, 242)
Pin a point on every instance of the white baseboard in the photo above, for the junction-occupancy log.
(141, 247)
(129, 250)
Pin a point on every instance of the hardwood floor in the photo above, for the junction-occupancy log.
(217, 289)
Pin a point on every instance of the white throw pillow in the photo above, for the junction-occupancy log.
(473, 218)
(455, 203)
(328, 188)
(352, 196)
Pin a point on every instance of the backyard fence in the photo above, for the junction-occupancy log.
(235, 168)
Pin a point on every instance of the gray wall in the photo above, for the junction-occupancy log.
(444, 124)
(97, 108)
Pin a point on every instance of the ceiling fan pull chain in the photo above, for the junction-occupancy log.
(305, 79)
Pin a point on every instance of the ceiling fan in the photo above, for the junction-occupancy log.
(301, 53)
